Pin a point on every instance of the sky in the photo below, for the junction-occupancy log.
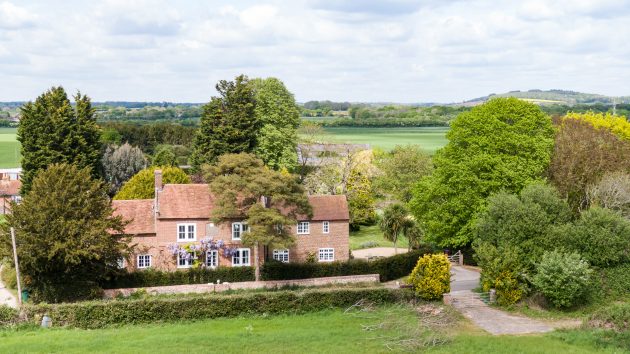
(357, 51)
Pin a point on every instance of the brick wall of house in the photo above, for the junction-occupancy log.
(166, 234)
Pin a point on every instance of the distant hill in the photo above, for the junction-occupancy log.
(549, 97)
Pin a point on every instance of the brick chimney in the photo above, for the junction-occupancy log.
(158, 180)
(158, 188)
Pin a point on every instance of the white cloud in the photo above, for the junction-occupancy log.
(13, 17)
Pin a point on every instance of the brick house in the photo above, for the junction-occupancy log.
(178, 217)
(10, 185)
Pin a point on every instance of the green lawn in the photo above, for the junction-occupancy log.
(9, 148)
(331, 331)
(429, 138)
(372, 234)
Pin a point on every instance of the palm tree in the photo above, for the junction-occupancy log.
(394, 223)
(412, 232)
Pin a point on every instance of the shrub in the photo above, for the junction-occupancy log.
(368, 244)
(8, 277)
(152, 277)
(563, 278)
(614, 282)
(431, 277)
(8, 315)
(96, 314)
(509, 290)
(616, 317)
(389, 268)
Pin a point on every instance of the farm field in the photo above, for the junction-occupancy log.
(9, 148)
(332, 331)
(429, 138)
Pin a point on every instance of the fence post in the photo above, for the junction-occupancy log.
(493, 296)
(461, 258)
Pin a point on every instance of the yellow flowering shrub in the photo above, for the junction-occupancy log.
(509, 291)
(431, 277)
(618, 125)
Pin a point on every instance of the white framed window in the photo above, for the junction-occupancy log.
(144, 261)
(326, 227)
(186, 232)
(212, 259)
(238, 228)
(326, 254)
(281, 255)
(186, 262)
(17, 199)
(303, 227)
(240, 258)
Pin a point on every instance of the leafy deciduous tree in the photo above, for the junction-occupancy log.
(165, 156)
(120, 163)
(142, 185)
(500, 145)
(400, 169)
(51, 131)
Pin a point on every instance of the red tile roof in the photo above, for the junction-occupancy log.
(139, 212)
(10, 187)
(185, 201)
(329, 207)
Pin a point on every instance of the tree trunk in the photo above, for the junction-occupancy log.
(256, 263)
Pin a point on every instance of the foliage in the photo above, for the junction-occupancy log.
(503, 144)
(582, 154)
(66, 234)
(279, 115)
(617, 125)
(502, 270)
(8, 277)
(8, 315)
(522, 222)
(601, 236)
(431, 277)
(120, 163)
(615, 316)
(97, 314)
(164, 156)
(360, 199)
(229, 123)
(613, 282)
(148, 137)
(52, 130)
(269, 201)
(152, 277)
(400, 169)
(389, 268)
(142, 185)
(612, 192)
(563, 278)
(397, 116)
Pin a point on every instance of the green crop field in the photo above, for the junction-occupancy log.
(429, 138)
(9, 148)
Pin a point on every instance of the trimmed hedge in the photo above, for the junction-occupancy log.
(151, 277)
(96, 314)
(389, 268)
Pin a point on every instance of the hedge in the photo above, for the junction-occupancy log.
(616, 317)
(96, 314)
(151, 277)
(389, 268)
(8, 315)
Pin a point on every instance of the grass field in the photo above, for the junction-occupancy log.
(429, 138)
(9, 148)
(331, 331)
(374, 236)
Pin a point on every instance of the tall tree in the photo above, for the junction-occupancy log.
(270, 201)
(228, 124)
(400, 169)
(142, 184)
(53, 131)
(67, 236)
(395, 222)
(500, 145)
(120, 163)
(280, 117)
